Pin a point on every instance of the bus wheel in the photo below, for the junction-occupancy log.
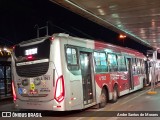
(103, 98)
(115, 94)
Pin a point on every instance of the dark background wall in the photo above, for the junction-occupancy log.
(19, 17)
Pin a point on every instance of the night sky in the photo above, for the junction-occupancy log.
(19, 18)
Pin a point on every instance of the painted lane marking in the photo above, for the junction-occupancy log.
(115, 118)
(133, 98)
(127, 101)
(80, 118)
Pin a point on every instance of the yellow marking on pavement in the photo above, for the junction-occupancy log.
(125, 102)
(152, 92)
(91, 118)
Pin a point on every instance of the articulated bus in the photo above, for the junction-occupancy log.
(63, 73)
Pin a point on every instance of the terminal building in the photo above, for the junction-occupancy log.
(5, 73)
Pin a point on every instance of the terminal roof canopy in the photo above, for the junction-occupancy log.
(138, 19)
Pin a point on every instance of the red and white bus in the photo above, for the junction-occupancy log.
(63, 73)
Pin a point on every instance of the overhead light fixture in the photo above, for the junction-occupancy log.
(101, 11)
(5, 49)
(122, 36)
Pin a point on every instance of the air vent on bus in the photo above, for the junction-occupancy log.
(33, 70)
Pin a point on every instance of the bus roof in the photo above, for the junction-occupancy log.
(104, 46)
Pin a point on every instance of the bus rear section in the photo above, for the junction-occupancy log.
(37, 84)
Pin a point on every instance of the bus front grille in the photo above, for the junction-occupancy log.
(32, 70)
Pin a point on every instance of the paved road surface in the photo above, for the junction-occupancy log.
(137, 101)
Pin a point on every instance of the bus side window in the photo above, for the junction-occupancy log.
(138, 66)
(100, 62)
(134, 66)
(72, 59)
(112, 60)
(142, 66)
(121, 63)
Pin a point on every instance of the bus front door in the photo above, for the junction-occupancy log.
(130, 74)
(85, 62)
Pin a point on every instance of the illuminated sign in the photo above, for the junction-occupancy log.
(31, 51)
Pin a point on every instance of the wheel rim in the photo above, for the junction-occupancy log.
(115, 94)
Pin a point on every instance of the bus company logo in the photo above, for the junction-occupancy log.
(124, 77)
(102, 78)
(6, 114)
(114, 77)
(17, 114)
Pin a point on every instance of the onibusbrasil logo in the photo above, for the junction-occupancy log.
(18, 114)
